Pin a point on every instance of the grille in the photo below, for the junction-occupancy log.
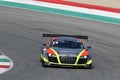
(82, 61)
(53, 59)
(67, 59)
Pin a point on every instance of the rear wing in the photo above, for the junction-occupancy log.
(65, 35)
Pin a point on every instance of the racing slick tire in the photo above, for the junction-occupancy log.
(89, 66)
(43, 63)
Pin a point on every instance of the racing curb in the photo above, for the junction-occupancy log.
(85, 5)
(5, 63)
(78, 12)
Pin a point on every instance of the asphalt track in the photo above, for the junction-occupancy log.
(20, 39)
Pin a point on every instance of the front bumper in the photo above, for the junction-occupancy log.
(68, 65)
(48, 63)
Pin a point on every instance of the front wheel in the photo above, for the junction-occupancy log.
(90, 66)
(43, 63)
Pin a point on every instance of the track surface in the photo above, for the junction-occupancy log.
(20, 39)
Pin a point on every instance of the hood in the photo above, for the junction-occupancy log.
(67, 52)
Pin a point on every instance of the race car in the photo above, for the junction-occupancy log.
(65, 51)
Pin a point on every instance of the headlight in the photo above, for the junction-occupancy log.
(51, 55)
(84, 57)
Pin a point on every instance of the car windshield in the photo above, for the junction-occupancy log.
(67, 44)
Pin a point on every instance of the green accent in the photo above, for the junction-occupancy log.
(5, 60)
(78, 57)
(89, 62)
(58, 11)
(43, 58)
(68, 64)
(57, 55)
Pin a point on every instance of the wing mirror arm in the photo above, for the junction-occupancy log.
(46, 45)
(89, 47)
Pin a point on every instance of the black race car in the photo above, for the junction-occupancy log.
(65, 50)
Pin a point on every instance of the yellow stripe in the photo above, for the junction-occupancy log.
(57, 55)
(78, 57)
(43, 58)
(68, 64)
(89, 62)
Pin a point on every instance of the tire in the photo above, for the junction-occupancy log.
(89, 66)
(43, 63)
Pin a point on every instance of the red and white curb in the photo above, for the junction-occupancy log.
(5, 63)
(69, 8)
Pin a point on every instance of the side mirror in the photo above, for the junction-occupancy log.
(88, 47)
(44, 44)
